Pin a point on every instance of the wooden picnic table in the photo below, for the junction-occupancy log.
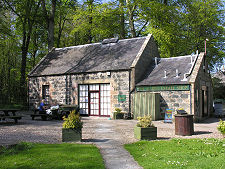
(38, 113)
(8, 115)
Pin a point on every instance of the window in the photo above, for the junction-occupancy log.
(45, 94)
(83, 99)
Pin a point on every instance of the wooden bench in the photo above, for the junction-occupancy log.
(8, 115)
(41, 114)
(15, 118)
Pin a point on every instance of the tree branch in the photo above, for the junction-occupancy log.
(139, 32)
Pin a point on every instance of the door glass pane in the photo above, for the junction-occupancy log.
(105, 99)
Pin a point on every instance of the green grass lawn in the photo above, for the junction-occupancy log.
(179, 153)
(51, 156)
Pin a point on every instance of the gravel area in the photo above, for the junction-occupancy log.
(108, 135)
(50, 131)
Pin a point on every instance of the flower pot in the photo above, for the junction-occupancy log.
(117, 115)
(71, 135)
(149, 133)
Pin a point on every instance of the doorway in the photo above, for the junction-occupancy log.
(204, 101)
(94, 104)
(94, 99)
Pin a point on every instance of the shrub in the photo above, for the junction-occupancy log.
(118, 110)
(73, 121)
(145, 121)
(221, 127)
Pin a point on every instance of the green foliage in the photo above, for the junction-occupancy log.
(182, 27)
(73, 121)
(118, 110)
(53, 156)
(179, 153)
(221, 127)
(95, 22)
(145, 121)
(179, 28)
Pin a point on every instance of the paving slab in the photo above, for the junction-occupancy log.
(112, 150)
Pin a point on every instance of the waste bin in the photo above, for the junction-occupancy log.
(184, 124)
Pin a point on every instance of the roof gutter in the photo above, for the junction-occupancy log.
(77, 73)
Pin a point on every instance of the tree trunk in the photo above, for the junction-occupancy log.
(51, 26)
(61, 26)
(50, 21)
(131, 24)
(122, 19)
(165, 2)
(131, 8)
(90, 8)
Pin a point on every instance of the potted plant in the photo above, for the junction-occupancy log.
(72, 127)
(145, 130)
(117, 114)
(221, 127)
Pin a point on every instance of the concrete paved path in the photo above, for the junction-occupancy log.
(111, 147)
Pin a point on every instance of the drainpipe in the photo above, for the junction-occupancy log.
(28, 93)
(190, 100)
(129, 113)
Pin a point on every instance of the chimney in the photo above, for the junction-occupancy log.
(156, 63)
(191, 59)
(185, 78)
(177, 75)
(164, 73)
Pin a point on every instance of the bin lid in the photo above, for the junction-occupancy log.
(181, 111)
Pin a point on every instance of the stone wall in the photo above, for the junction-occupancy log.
(201, 80)
(64, 89)
(146, 55)
(174, 100)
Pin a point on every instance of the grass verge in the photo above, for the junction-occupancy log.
(179, 153)
(28, 155)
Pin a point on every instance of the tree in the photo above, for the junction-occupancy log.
(181, 28)
(25, 12)
(122, 19)
(104, 22)
(49, 15)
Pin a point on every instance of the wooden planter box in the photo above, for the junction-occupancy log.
(149, 133)
(71, 135)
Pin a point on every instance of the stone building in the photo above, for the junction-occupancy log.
(99, 77)
(183, 82)
(102, 76)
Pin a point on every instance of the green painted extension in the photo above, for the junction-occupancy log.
(163, 88)
(149, 133)
(70, 135)
(145, 104)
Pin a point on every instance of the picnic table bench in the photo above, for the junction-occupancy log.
(6, 114)
(38, 113)
(58, 113)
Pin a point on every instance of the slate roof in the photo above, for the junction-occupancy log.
(155, 74)
(112, 54)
